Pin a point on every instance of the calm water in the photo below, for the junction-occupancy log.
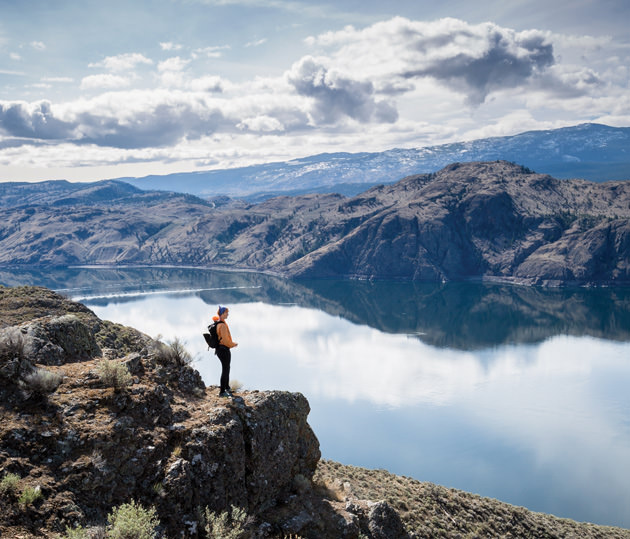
(515, 393)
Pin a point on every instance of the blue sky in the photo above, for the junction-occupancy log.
(92, 90)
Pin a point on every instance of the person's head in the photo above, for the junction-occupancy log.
(223, 312)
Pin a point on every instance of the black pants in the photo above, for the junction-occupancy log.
(225, 357)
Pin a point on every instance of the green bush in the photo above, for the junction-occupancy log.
(131, 521)
(30, 495)
(114, 374)
(9, 484)
(77, 533)
(227, 525)
(42, 381)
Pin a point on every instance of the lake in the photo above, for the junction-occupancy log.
(515, 393)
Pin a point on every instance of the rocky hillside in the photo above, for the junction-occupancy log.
(96, 415)
(152, 433)
(495, 221)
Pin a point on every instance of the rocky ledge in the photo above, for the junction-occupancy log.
(95, 415)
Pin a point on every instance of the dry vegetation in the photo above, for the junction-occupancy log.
(429, 510)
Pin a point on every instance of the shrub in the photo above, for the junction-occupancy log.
(77, 533)
(9, 484)
(113, 373)
(42, 381)
(12, 347)
(236, 385)
(30, 495)
(173, 352)
(131, 521)
(227, 525)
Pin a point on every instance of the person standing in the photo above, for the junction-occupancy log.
(223, 350)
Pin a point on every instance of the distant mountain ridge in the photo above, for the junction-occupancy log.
(588, 151)
(481, 220)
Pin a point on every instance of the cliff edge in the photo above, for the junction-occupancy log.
(150, 431)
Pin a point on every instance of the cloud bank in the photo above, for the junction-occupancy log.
(389, 82)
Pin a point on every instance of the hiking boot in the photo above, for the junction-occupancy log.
(224, 394)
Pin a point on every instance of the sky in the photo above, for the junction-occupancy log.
(91, 90)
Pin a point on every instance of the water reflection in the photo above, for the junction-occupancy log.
(454, 315)
(514, 393)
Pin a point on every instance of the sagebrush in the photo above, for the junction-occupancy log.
(42, 381)
(9, 484)
(114, 374)
(132, 521)
(232, 524)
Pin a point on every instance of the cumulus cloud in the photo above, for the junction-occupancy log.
(172, 71)
(473, 59)
(208, 83)
(263, 124)
(36, 120)
(335, 95)
(356, 85)
(38, 45)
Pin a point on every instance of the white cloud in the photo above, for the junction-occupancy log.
(397, 82)
(104, 81)
(173, 64)
(38, 45)
(210, 52)
(208, 83)
(11, 72)
(261, 123)
(58, 79)
(257, 43)
(172, 72)
(123, 62)
(335, 96)
(473, 59)
(169, 46)
(15, 56)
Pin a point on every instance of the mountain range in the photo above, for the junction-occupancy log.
(588, 151)
(480, 220)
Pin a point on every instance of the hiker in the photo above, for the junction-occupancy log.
(222, 351)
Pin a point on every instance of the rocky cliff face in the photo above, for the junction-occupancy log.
(468, 221)
(483, 220)
(164, 440)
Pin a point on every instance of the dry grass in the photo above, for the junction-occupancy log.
(430, 510)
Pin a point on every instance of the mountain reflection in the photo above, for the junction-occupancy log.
(463, 316)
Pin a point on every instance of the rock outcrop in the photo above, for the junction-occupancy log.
(164, 440)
